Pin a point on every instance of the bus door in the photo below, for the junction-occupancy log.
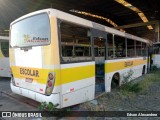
(99, 39)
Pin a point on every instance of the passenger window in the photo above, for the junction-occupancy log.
(144, 49)
(99, 47)
(5, 48)
(120, 47)
(130, 48)
(110, 46)
(75, 43)
(138, 48)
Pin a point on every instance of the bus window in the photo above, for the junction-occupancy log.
(79, 51)
(156, 49)
(120, 47)
(5, 48)
(67, 51)
(36, 32)
(130, 48)
(138, 48)
(110, 46)
(99, 47)
(144, 49)
(75, 43)
(87, 51)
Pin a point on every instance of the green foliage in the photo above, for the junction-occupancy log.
(135, 88)
(154, 68)
(67, 109)
(149, 80)
(49, 107)
(142, 85)
(42, 106)
(131, 88)
(128, 77)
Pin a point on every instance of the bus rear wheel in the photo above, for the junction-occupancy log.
(143, 70)
(115, 81)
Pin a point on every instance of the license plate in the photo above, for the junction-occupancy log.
(29, 80)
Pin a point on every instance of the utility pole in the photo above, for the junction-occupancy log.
(157, 32)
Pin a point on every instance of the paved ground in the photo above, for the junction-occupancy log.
(5, 84)
(11, 104)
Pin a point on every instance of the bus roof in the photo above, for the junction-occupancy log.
(77, 20)
(4, 38)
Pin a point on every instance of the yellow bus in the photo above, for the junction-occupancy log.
(4, 57)
(60, 58)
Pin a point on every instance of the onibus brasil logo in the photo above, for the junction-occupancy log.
(29, 38)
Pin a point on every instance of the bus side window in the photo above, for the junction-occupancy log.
(110, 46)
(120, 47)
(130, 48)
(67, 51)
(144, 49)
(75, 43)
(5, 48)
(138, 48)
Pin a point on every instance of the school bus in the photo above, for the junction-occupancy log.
(64, 59)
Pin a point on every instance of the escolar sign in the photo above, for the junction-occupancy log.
(128, 63)
(25, 71)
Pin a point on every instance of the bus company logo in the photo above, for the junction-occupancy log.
(26, 38)
(33, 39)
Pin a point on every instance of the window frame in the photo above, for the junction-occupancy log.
(59, 21)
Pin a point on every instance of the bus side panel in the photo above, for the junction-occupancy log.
(79, 96)
(78, 83)
(4, 67)
(123, 67)
(156, 60)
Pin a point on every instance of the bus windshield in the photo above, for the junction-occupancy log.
(31, 31)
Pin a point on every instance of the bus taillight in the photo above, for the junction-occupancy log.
(50, 83)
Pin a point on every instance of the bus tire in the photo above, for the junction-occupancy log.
(115, 81)
(144, 70)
